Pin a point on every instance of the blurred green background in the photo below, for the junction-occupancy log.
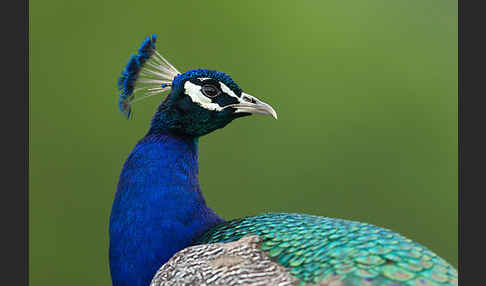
(366, 93)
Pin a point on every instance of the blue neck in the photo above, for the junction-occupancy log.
(158, 208)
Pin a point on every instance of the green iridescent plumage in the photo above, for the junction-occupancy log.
(320, 250)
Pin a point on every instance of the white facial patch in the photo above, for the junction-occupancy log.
(196, 95)
(228, 91)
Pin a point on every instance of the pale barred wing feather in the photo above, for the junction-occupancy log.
(230, 264)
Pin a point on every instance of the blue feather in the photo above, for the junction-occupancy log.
(129, 76)
(159, 183)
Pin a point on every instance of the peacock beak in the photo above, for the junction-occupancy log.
(253, 105)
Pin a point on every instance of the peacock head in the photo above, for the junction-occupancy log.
(199, 100)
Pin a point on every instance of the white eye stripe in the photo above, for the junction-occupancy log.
(228, 91)
(196, 95)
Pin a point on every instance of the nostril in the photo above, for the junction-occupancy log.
(249, 99)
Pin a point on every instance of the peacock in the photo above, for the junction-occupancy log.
(159, 218)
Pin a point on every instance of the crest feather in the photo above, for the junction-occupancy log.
(147, 73)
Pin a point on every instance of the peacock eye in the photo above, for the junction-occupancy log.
(210, 90)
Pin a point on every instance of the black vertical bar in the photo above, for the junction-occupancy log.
(14, 116)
